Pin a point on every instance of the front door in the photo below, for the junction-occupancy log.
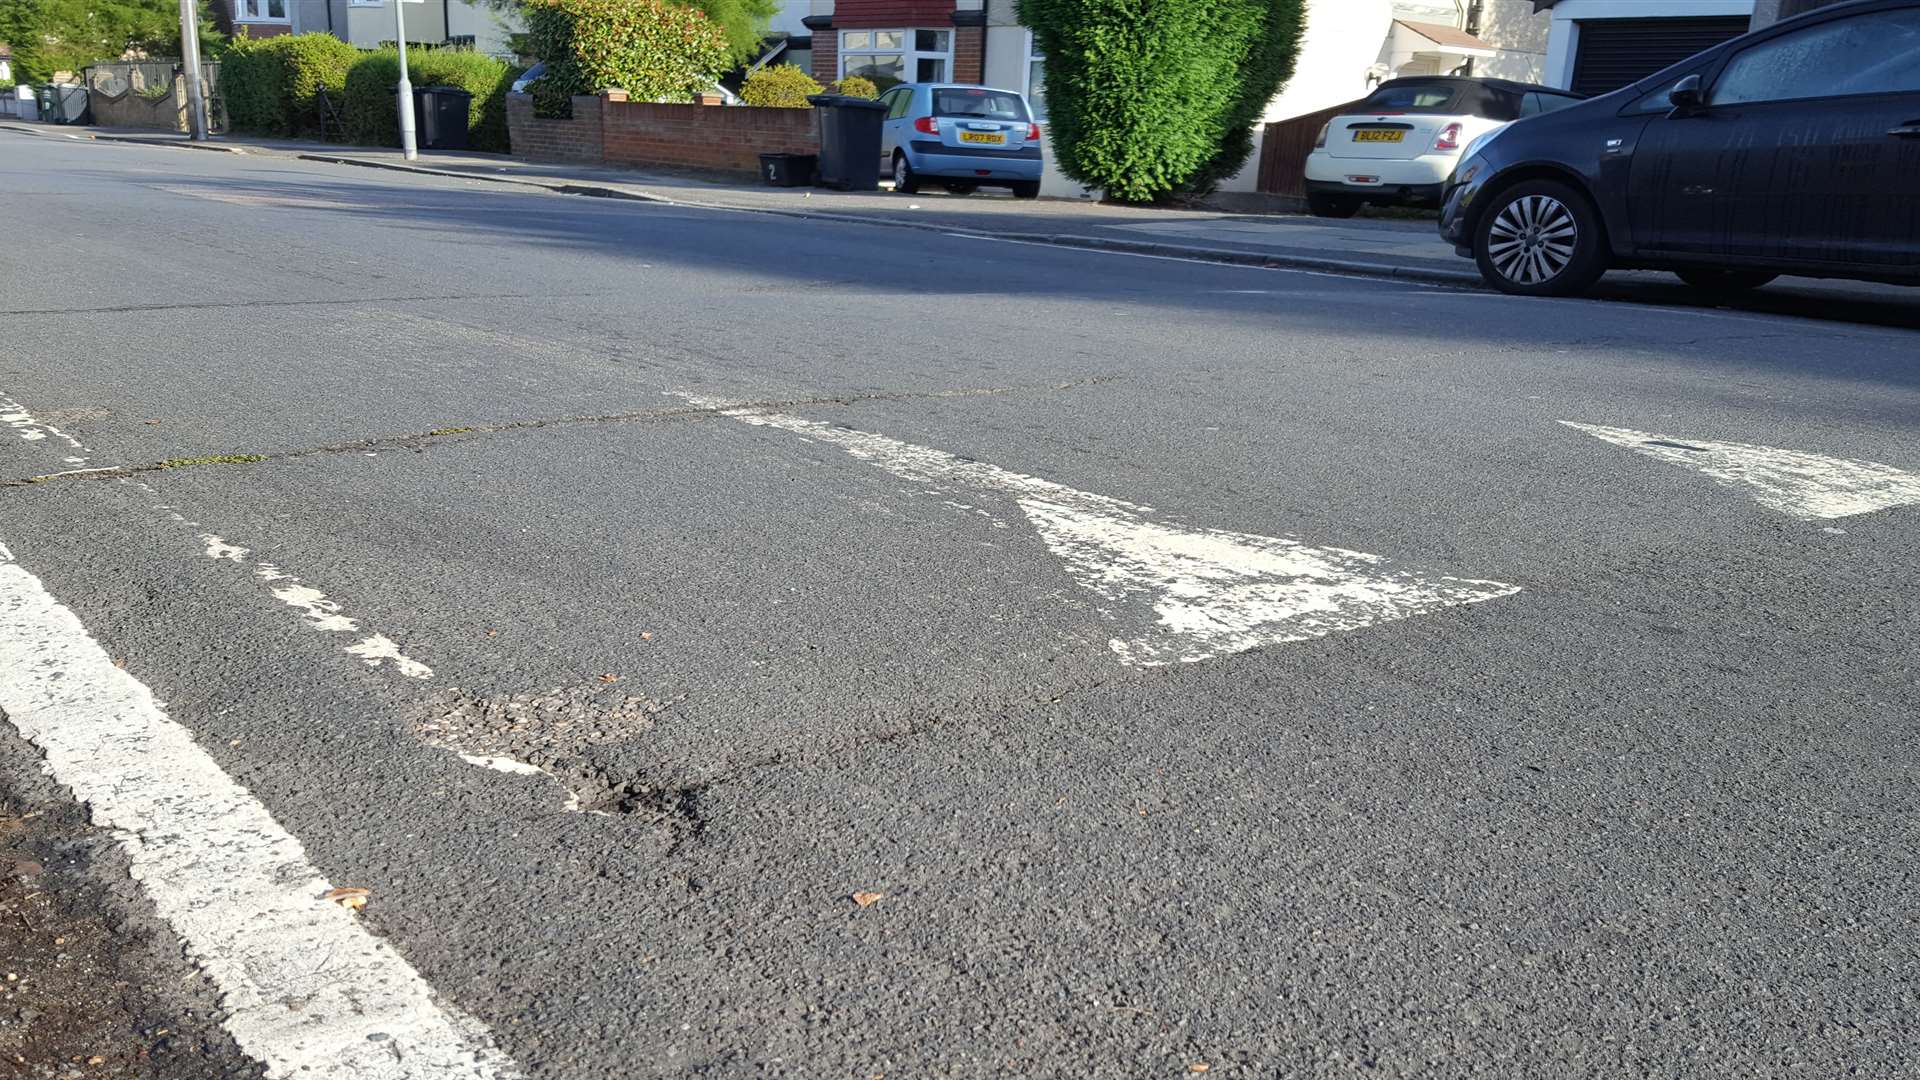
(1799, 154)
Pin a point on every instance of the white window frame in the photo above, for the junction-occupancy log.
(240, 6)
(909, 55)
(1034, 56)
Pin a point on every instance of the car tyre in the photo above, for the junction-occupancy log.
(1333, 206)
(959, 188)
(904, 180)
(1725, 282)
(1026, 189)
(1540, 238)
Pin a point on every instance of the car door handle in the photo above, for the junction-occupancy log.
(1908, 130)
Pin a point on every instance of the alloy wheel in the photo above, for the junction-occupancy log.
(1533, 239)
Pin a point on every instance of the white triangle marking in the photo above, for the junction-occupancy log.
(1200, 593)
(1180, 594)
(1807, 486)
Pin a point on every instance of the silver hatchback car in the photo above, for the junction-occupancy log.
(960, 137)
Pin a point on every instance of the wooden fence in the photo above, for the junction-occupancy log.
(1284, 149)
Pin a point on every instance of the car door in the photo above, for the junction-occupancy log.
(1800, 152)
(893, 125)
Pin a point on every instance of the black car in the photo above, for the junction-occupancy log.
(1792, 150)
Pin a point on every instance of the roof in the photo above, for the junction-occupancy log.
(1445, 36)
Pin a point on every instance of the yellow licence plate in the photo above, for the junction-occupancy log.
(1378, 136)
(991, 138)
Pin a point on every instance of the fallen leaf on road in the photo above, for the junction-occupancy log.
(149, 421)
(351, 897)
(96, 1060)
(645, 636)
(867, 899)
(1199, 1067)
(609, 677)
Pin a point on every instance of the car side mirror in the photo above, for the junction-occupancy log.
(1686, 96)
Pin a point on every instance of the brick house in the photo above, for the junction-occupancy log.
(895, 41)
(367, 23)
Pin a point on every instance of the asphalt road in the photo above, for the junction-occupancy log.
(720, 568)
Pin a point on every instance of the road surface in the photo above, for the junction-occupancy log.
(731, 645)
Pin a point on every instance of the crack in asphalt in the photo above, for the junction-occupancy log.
(420, 441)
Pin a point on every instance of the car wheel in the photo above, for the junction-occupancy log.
(1540, 238)
(1725, 281)
(904, 182)
(961, 188)
(1333, 206)
(1026, 189)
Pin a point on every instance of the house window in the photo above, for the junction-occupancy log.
(892, 57)
(1036, 80)
(260, 11)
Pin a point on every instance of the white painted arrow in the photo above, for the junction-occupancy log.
(1180, 594)
(1808, 486)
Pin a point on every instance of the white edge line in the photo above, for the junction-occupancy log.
(236, 886)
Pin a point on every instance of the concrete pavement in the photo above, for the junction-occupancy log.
(761, 599)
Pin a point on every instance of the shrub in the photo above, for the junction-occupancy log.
(272, 86)
(856, 86)
(779, 86)
(655, 51)
(372, 115)
(1150, 97)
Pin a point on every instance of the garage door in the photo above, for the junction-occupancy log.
(1615, 52)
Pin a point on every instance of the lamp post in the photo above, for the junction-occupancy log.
(405, 90)
(190, 62)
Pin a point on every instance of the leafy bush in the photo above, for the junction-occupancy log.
(1150, 97)
(856, 86)
(272, 86)
(655, 51)
(744, 22)
(372, 115)
(779, 86)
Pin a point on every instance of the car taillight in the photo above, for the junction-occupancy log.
(1033, 132)
(927, 125)
(1449, 138)
(1320, 140)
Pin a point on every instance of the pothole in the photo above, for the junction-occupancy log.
(555, 733)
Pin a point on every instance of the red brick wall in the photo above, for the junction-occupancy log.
(539, 139)
(891, 14)
(970, 54)
(826, 56)
(726, 139)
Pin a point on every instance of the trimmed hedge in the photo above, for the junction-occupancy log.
(272, 86)
(780, 86)
(1147, 98)
(372, 115)
(655, 51)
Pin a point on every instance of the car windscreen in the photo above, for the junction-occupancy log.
(977, 104)
(1443, 99)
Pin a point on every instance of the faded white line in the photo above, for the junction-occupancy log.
(1811, 487)
(32, 429)
(1182, 594)
(306, 989)
(220, 549)
(512, 766)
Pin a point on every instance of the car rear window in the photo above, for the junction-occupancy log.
(979, 104)
(1444, 99)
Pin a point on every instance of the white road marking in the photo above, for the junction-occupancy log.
(220, 549)
(28, 427)
(380, 648)
(1182, 594)
(1807, 486)
(307, 990)
(513, 766)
